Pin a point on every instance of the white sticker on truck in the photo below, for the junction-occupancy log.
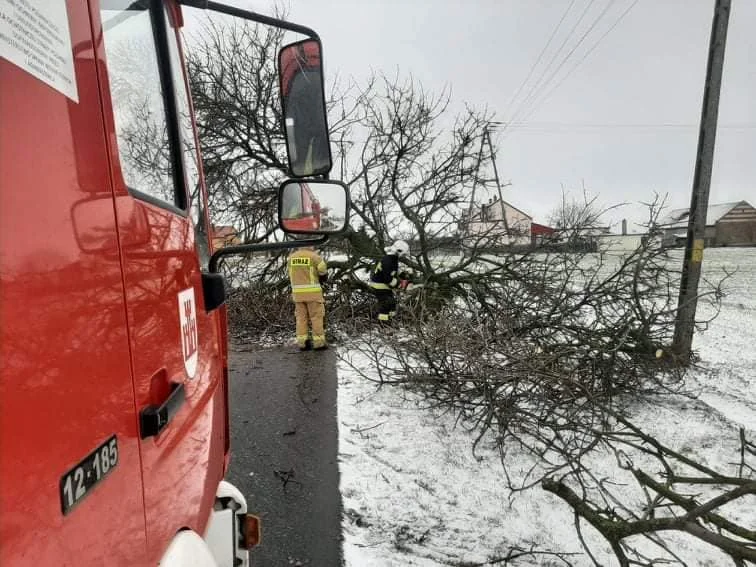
(188, 320)
(34, 35)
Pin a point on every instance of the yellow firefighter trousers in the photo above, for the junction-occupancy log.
(310, 313)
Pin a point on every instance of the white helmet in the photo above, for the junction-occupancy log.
(400, 248)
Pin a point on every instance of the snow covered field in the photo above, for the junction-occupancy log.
(414, 494)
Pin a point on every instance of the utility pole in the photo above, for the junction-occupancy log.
(699, 201)
(486, 139)
(477, 174)
(498, 183)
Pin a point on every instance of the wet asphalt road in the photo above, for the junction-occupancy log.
(284, 450)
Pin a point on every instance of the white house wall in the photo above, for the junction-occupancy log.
(619, 243)
(518, 223)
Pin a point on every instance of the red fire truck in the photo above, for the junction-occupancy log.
(305, 207)
(114, 433)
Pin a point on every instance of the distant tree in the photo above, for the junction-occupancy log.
(574, 214)
(411, 176)
(579, 220)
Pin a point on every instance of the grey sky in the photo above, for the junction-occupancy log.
(625, 120)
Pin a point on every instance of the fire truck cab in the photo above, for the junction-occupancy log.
(300, 208)
(114, 433)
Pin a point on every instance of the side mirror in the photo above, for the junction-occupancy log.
(300, 71)
(313, 207)
(94, 228)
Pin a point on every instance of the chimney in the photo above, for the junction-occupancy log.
(624, 227)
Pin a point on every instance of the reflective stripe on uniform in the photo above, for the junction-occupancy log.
(306, 288)
(379, 285)
(383, 316)
(301, 269)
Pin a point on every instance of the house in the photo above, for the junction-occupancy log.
(224, 236)
(499, 222)
(540, 233)
(581, 238)
(622, 243)
(727, 224)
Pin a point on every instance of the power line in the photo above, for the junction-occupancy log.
(534, 99)
(585, 56)
(537, 84)
(557, 127)
(540, 56)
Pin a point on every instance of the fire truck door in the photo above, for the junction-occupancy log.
(174, 342)
(71, 491)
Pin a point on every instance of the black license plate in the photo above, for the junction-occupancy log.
(81, 479)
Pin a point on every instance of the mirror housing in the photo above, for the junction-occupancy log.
(313, 206)
(300, 72)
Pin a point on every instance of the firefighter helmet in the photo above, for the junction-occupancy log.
(400, 248)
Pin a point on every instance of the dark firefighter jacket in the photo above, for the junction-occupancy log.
(384, 274)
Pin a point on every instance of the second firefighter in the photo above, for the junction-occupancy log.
(307, 270)
(385, 278)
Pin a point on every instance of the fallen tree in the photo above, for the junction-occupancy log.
(541, 348)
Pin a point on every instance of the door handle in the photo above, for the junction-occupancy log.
(153, 419)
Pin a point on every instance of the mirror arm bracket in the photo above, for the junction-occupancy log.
(260, 247)
(247, 15)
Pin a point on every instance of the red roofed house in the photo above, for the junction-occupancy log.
(540, 233)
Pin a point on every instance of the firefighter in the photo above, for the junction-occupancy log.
(385, 278)
(307, 271)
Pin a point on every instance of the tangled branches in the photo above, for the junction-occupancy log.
(668, 504)
(545, 355)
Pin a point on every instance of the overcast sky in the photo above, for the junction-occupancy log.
(624, 121)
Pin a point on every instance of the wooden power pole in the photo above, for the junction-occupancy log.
(699, 201)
